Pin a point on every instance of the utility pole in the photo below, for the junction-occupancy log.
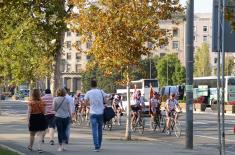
(189, 73)
(223, 80)
(218, 73)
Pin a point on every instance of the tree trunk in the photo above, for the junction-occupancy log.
(56, 75)
(128, 121)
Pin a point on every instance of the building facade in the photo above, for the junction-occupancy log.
(175, 42)
(73, 61)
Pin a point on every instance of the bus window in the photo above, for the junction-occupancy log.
(147, 83)
(231, 82)
(138, 85)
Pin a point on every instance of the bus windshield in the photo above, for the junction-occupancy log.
(231, 82)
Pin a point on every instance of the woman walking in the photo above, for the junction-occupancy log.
(63, 116)
(36, 120)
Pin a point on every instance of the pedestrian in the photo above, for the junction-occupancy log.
(50, 115)
(95, 98)
(36, 120)
(72, 108)
(62, 116)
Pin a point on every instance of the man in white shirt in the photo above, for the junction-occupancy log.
(95, 98)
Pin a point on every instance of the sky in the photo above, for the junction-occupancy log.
(201, 6)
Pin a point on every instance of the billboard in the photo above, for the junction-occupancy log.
(229, 35)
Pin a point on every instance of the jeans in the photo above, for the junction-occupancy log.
(62, 125)
(96, 124)
(68, 131)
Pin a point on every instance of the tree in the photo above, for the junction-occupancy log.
(107, 83)
(202, 61)
(39, 26)
(170, 71)
(229, 13)
(120, 30)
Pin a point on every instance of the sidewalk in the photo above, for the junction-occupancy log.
(14, 134)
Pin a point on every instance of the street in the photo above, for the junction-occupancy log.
(14, 133)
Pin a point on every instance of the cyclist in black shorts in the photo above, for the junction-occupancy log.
(137, 105)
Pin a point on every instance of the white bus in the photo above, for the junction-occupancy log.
(144, 86)
(207, 87)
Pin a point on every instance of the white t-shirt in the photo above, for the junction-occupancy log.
(154, 104)
(172, 103)
(96, 100)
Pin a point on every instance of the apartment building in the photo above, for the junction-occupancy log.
(176, 41)
(73, 61)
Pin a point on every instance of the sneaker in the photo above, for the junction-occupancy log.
(40, 151)
(51, 142)
(96, 150)
(60, 149)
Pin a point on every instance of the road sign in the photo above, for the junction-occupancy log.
(229, 35)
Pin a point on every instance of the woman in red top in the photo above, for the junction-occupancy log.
(36, 119)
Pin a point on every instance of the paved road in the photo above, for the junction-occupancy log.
(205, 134)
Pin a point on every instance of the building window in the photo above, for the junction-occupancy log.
(162, 54)
(88, 57)
(88, 44)
(175, 32)
(215, 60)
(175, 44)
(69, 56)
(62, 66)
(68, 68)
(78, 57)
(68, 34)
(78, 43)
(68, 44)
(205, 28)
(205, 38)
(78, 68)
(150, 45)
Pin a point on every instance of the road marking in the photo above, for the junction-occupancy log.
(213, 138)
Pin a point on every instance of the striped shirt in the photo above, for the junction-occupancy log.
(48, 99)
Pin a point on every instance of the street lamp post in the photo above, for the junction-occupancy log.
(189, 73)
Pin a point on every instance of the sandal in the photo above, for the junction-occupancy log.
(29, 148)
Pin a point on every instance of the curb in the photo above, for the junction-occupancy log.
(11, 149)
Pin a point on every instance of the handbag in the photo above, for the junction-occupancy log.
(108, 114)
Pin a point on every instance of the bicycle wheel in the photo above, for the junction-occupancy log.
(110, 124)
(177, 129)
(141, 125)
(163, 123)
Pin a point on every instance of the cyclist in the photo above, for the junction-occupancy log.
(171, 106)
(118, 108)
(155, 105)
(137, 105)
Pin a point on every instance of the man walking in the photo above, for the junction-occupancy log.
(95, 98)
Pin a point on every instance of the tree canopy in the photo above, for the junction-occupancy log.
(230, 12)
(202, 61)
(170, 71)
(30, 38)
(120, 29)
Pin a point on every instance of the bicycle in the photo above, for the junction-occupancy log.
(108, 125)
(155, 122)
(175, 125)
(138, 123)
